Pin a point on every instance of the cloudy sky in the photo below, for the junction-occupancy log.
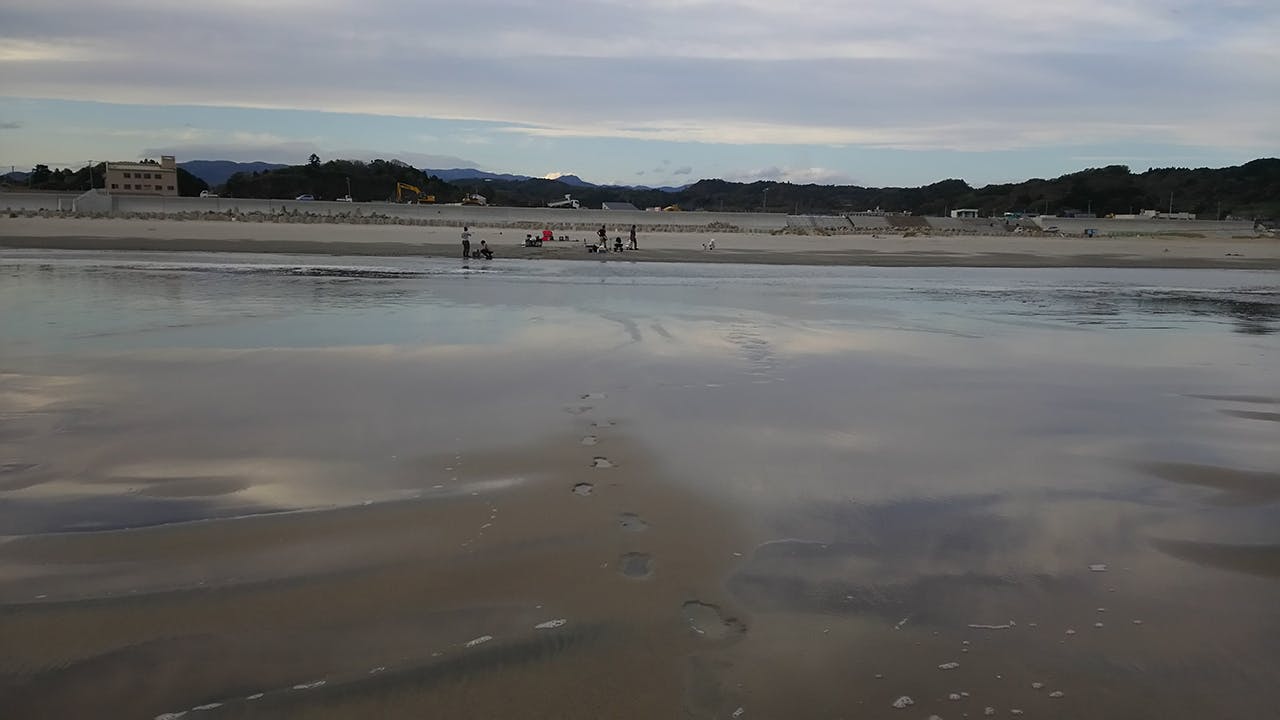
(649, 92)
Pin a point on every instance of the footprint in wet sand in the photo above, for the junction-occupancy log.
(635, 565)
(603, 424)
(632, 522)
(592, 396)
(590, 440)
(578, 409)
(708, 621)
(601, 462)
(583, 489)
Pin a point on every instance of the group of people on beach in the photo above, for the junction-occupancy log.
(530, 241)
(602, 245)
(468, 253)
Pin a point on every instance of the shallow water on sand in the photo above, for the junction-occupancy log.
(242, 486)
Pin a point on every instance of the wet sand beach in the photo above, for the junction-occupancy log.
(1222, 250)
(249, 485)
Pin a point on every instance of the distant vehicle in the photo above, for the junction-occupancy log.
(567, 202)
(305, 197)
(473, 199)
(417, 197)
(207, 194)
(345, 198)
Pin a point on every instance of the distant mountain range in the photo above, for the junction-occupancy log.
(216, 172)
(455, 174)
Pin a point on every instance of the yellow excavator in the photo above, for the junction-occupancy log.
(417, 197)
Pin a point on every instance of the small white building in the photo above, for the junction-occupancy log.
(964, 213)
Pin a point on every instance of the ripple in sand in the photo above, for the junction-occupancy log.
(1260, 399)
(707, 620)
(903, 702)
(590, 440)
(583, 489)
(949, 666)
(310, 685)
(550, 624)
(1253, 415)
(478, 641)
(16, 467)
(632, 522)
(636, 565)
(601, 462)
(578, 409)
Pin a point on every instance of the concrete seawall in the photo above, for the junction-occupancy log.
(563, 218)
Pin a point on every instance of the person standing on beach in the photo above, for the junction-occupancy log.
(633, 238)
(466, 242)
(604, 236)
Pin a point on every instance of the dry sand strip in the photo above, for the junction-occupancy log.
(1223, 251)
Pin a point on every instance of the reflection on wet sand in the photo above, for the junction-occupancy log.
(402, 585)
(615, 493)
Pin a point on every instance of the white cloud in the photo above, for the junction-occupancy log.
(795, 175)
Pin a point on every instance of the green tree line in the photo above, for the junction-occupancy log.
(1251, 191)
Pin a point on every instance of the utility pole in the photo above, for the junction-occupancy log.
(349, 189)
(765, 202)
(1170, 202)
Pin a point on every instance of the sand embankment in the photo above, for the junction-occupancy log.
(1209, 250)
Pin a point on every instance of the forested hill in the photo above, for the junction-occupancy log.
(1251, 190)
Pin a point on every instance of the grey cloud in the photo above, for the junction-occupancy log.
(10, 125)
(297, 152)
(682, 170)
(1087, 72)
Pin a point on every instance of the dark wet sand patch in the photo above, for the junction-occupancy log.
(1236, 487)
(636, 565)
(1252, 415)
(1260, 560)
(632, 522)
(710, 622)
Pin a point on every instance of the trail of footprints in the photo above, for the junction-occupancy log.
(705, 619)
